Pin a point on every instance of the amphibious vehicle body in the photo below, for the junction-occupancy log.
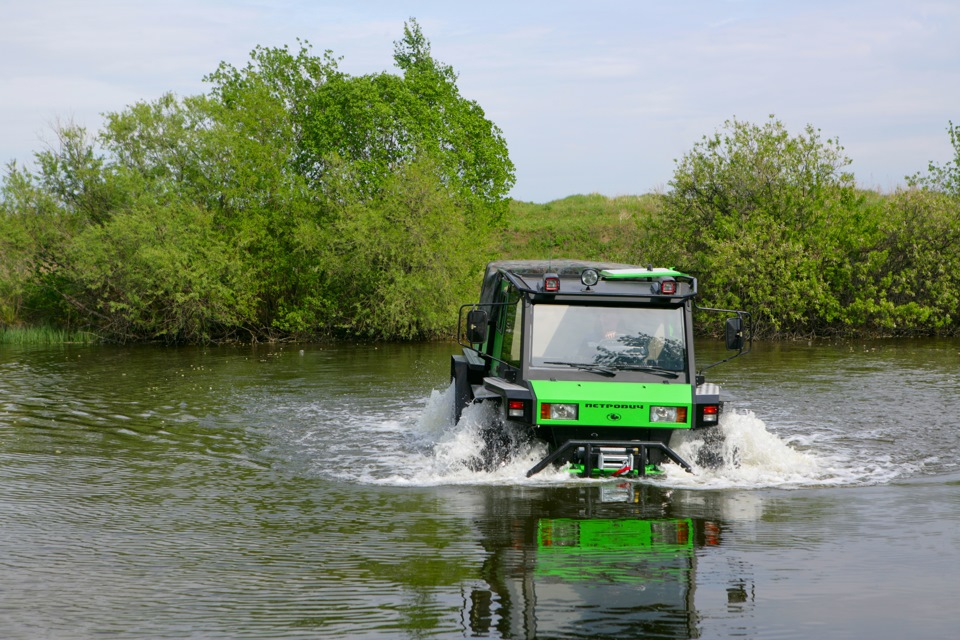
(594, 359)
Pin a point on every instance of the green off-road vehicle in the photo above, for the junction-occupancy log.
(594, 359)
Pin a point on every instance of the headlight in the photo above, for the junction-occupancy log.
(668, 414)
(559, 411)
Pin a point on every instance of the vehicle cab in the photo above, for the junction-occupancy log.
(593, 354)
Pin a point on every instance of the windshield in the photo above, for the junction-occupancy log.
(614, 337)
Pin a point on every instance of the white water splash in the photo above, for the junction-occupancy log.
(753, 457)
(454, 453)
(425, 447)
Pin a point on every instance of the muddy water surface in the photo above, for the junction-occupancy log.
(325, 492)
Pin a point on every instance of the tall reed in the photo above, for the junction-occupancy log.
(44, 335)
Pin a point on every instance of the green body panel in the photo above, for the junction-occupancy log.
(615, 550)
(615, 404)
(638, 535)
(579, 470)
(640, 274)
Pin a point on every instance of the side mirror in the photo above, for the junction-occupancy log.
(476, 326)
(733, 332)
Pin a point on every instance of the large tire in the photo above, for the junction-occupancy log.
(462, 393)
(710, 455)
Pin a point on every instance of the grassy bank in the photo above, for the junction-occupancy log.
(590, 227)
(44, 335)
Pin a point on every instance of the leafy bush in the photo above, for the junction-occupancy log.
(399, 263)
(943, 178)
(763, 218)
(292, 200)
(295, 201)
(159, 273)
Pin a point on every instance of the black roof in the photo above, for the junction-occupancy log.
(530, 272)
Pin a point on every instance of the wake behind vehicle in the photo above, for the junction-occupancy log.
(594, 359)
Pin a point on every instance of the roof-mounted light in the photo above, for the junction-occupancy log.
(551, 283)
(668, 287)
(589, 277)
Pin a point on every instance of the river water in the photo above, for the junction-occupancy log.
(311, 492)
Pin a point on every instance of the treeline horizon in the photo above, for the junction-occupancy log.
(295, 202)
(774, 224)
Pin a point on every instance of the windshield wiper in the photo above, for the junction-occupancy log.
(666, 373)
(586, 366)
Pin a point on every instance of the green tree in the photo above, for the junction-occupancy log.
(762, 217)
(379, 123)
(908, 278)
(72, 189)
(234, 153)
(946, 177)
(16, 265)
(159, 273)
(261, 205)
(909, 281)
(161, 147)
(397, 264)
(78, 178)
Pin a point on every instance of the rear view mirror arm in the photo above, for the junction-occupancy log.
(743, 325)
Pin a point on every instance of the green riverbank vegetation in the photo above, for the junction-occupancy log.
(45, 335)
(295, 202)
(773, 223)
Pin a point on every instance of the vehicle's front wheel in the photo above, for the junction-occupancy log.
(712, 454)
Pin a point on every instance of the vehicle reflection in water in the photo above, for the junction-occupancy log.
(607, 561)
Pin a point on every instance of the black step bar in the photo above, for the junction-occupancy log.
(566, 452)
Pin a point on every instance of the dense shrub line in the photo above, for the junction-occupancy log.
(295, 202)
(291, 201)
(772, 223)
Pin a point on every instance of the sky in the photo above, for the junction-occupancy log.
(592, 97)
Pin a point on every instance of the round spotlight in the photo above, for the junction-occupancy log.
(589, 277)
